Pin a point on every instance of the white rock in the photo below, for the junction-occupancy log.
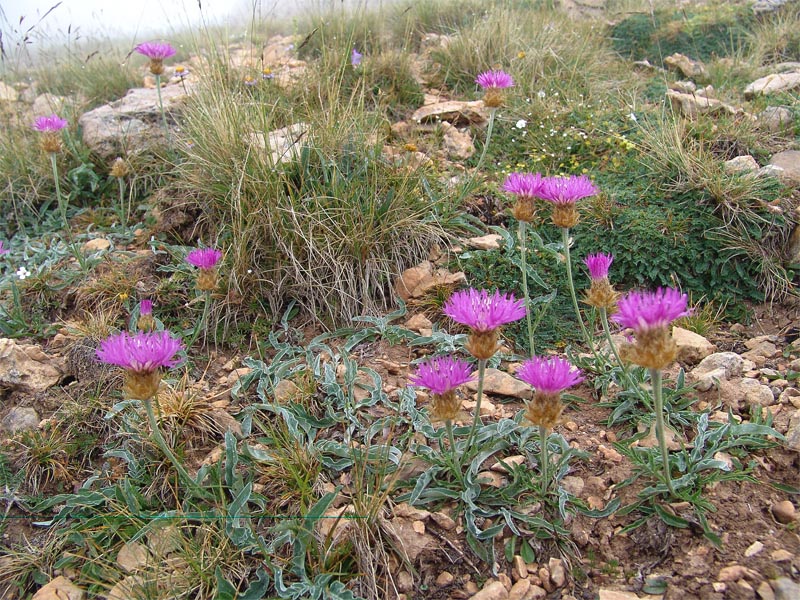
(771, 84)
(719, 366)
(692, 347)
(8, 93)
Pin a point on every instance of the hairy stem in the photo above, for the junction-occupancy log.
(544, 459)
(477, 419)
(655, 379)
(523, 250)
(565, 241)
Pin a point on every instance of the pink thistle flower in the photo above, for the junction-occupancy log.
(549, 376)
(598, 265)
(494, 80)
(142, 353)
(355, 58)
(443, 374)
(155, 50)
(204, 258)
(481, 312)
(49, 124)
(528, 185)
(567, 190)
(645, 311)
(146, 307)
(3, 249)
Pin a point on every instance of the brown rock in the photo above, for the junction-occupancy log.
(132, 557)
(443, 521)
(519, 570)
(493, 590)
(520, 589)
(445, 578)
(96, 245)
(536, 593)
(404, 581)
(502, 384)
(692, 348)
(59, 588)
(457, 144)
(420, 323)
(286, 391)
(26, 367)
(784, 511)
(557, 573)
(453, 111)
(694, 69)
(510, 461)
(617, 595)
(735, 573)
(485, 242)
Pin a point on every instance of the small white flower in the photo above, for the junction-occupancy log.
(521, 124)
(23, 273)
(541, 94)
(632, 117)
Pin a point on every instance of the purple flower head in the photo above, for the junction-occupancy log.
(481, 312)
(204, 258)
(494, 80)
(598, 264)
(141, 353)
(355, 57)
(155, 50)
(49, 124)
(3, 249)
(146, 307)
(250, 81)
(549, 375)
(442, 374)
(567, 190)
(523, 184)
(642, 311)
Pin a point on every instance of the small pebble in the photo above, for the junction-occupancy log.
(784, 511)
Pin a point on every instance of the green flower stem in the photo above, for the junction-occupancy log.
(632, 385)
(477, 419)
(455, 460)
(122, 210)
(161, 106)
(162, 444)
(655, 379)
(62, 208)
(523, 250)
(565, 241)
(489, 129)
(202, 323)
(544, 458)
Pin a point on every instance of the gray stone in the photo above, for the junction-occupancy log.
(786, 589)
(457, 144)
(694, 69)
(756, 393)
(789, 161)
(283, 144)
(741, 164)
(793, 432)
(692, 347)
(21, 418)
(132, 123)
(775, 118)
(772, 84)
(26, 367)
(8, 93)
(720, 366)
(690, 105)
(46, 104)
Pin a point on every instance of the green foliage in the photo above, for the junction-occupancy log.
(702, 32)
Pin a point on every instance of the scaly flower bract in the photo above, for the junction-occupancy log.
(549, 375)
(642, 311)
(567, 190)
(494, 80)
(49, 124)
(155, 50)
(481, 312)
(443, 374)
(204, 258)
(142, 353)
(598, 265)
(355, 57)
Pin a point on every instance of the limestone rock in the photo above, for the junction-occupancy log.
(617, 595)
(420, 323)
(793, 432)
(692, 348)
(132, 122)
(283, 144)
(408, 538)
(741, 164)
(694, 69)
(8, 93)
(21, 418)
(285, 391)
(775, 118)
(789, 161)
(520, 589)
(485, 242)
(417, 281)
(772, 84)
(457, 144)
(786, 589)
(453, 111)
(97, 245)
(720, 366)
(46, 104)
(59, 588)
(133, 586)
(500, 383)
(756, 393)
(133, 557)
(691, 105)
(26, 367)
(784, 512)
(493, 590)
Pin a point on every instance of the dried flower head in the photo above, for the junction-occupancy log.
(356, 57)
(141, 355)
(564, 192)
(549, 378)
(526, 187)
(442, 376)
(49, 127)
(119, 168)
(601, 293)
(156, 52)
(649, 314)
(484, 314)
(493, 82)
